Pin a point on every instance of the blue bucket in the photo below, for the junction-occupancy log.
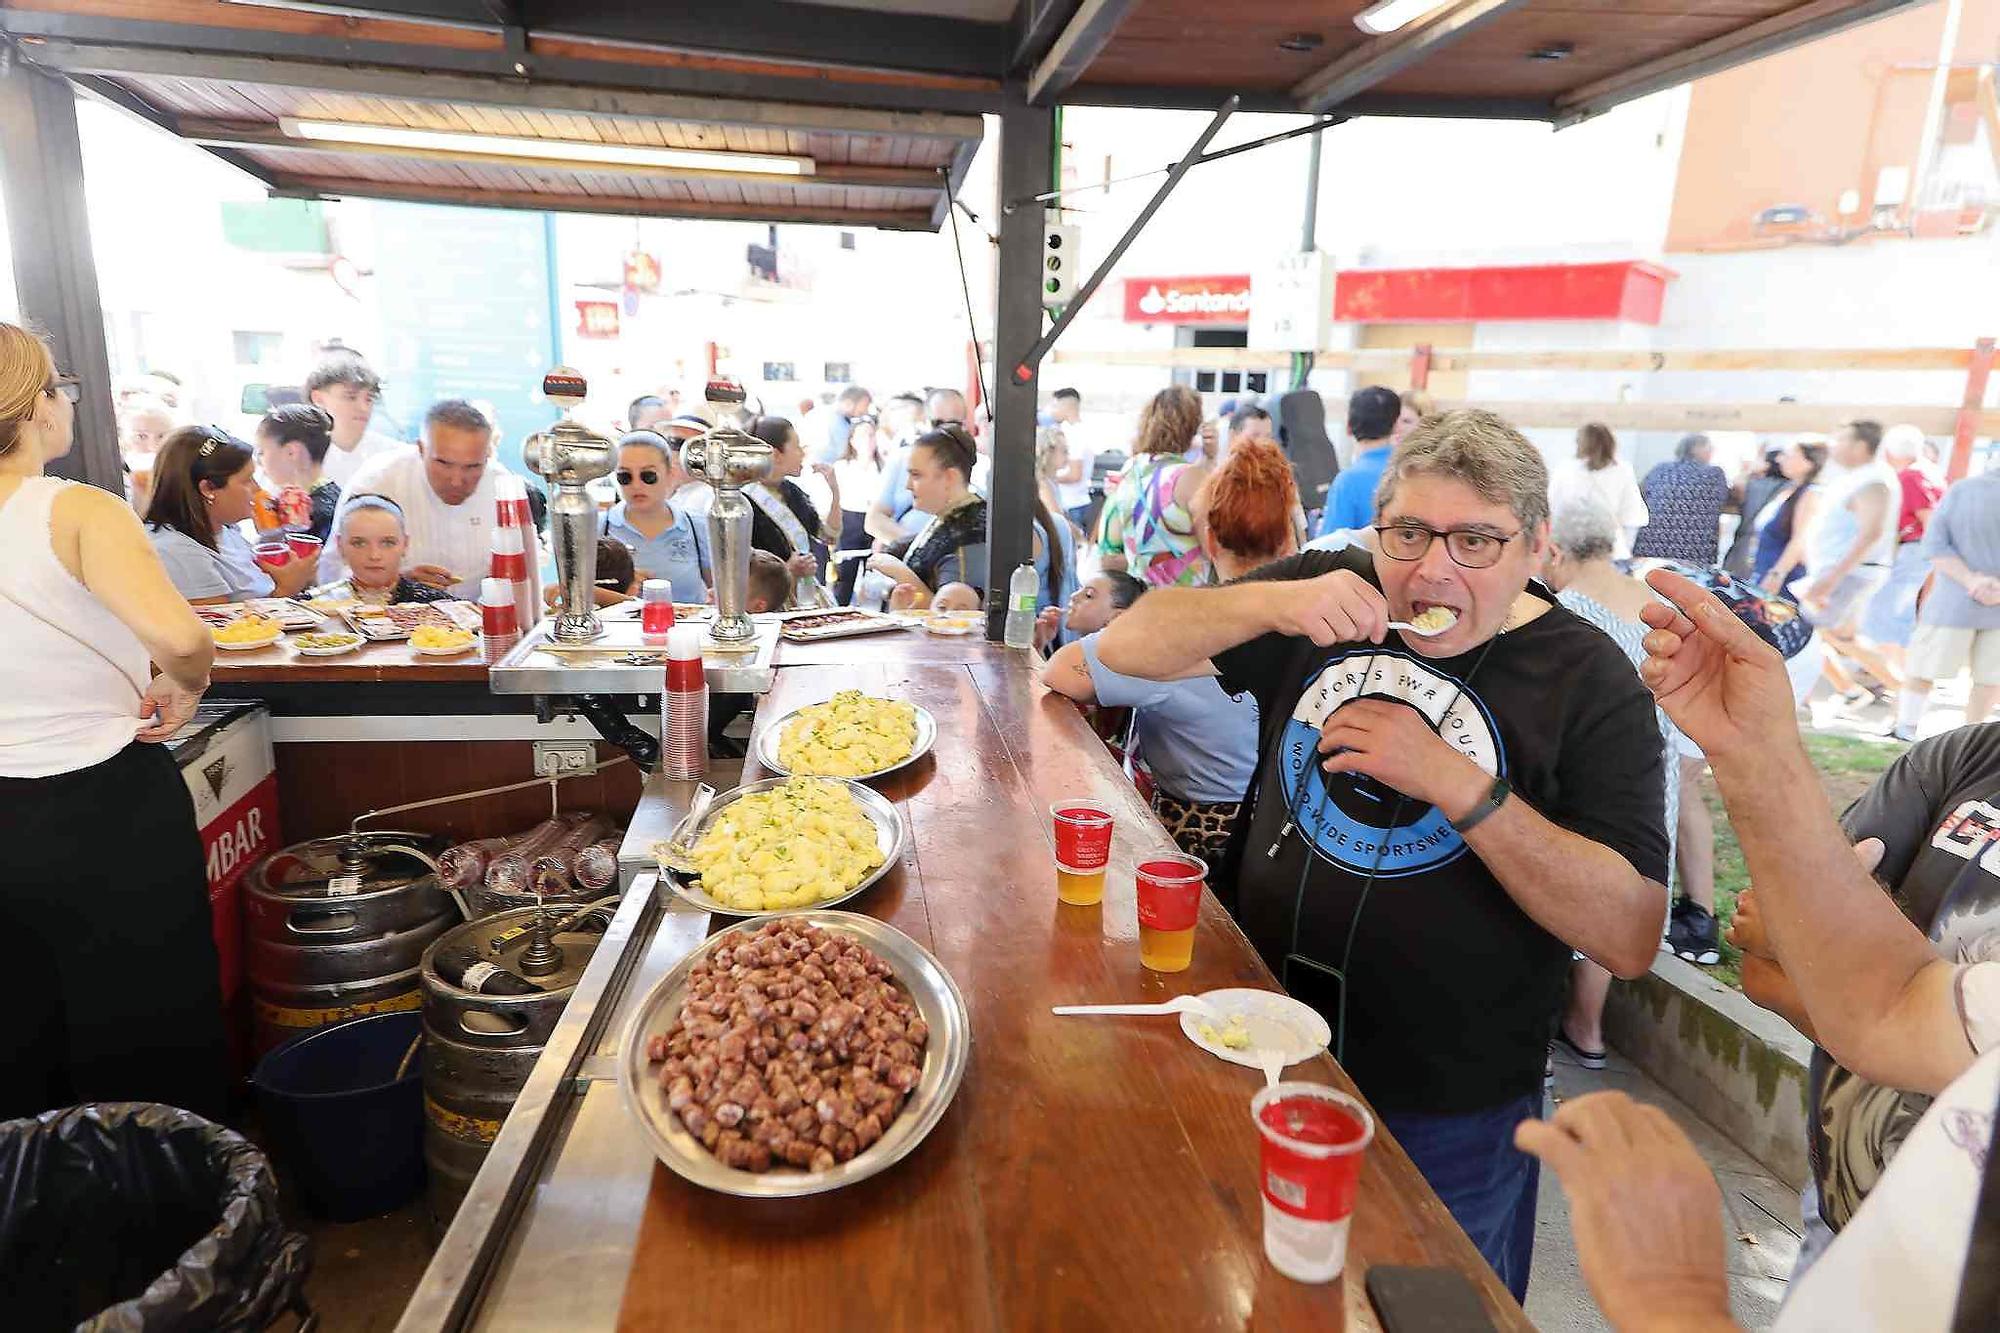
(349, 1130)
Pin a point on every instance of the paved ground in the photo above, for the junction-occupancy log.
(1760, 1215)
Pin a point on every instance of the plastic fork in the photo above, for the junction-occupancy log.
(1180, 1004)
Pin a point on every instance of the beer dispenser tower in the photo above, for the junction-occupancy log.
(568, 455)
(728, 458)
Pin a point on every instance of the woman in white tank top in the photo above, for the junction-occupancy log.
(104, 882)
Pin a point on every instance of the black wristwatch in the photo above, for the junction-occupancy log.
(1496, 796)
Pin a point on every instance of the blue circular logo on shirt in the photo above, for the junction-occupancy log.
(1352, 820)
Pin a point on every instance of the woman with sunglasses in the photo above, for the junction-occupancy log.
(114, 956)
(204, 484)
(665, 542)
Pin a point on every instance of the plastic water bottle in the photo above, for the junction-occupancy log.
(1022, 591)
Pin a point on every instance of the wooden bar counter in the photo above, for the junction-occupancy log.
(1090, 1173)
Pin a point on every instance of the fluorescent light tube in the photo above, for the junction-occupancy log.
(607, 154)
(1389, 15)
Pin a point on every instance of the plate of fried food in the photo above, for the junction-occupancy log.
(795, 1055)
(441, 640)
(852, 735)
(325, 645)
(248, 631)
(785, 844)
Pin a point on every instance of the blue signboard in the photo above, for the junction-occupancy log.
(464, 295)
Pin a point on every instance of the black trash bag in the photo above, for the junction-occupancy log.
(126, 1216)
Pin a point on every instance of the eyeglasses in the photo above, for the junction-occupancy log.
(67, 386)
(1469, 548)
(647, 475)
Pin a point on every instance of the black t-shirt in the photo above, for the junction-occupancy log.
(1937, 811)
(1451, 987)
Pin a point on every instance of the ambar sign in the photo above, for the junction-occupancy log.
(1223, 299)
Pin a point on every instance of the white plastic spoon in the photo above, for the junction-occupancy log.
(1180, 1004)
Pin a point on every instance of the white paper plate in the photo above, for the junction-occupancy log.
(446, 652)
(344, 648)
(1274, 1021)
(245, 647)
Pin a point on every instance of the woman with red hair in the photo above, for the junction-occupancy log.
(1199, 743)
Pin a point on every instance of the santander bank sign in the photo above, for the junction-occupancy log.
(1223, 299)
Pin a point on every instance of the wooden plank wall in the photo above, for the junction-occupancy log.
(322, 786)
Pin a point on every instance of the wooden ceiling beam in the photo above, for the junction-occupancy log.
(291, 185)
(1083, 39)
(1802, 23)
(924, 181)
(1386, 56)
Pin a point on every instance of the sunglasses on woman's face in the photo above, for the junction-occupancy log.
(647, 475)
(67, 386)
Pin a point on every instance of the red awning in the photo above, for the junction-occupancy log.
(1630, 289)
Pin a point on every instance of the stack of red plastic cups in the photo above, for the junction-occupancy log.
(684, 707)
(512, 515)
(499, 622)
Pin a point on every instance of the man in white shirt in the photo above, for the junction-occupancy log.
(446, 488)
(346, 388)
(1879, 998)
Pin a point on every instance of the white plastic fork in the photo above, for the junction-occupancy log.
(1413, 629)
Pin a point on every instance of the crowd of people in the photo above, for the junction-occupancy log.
(1447, 841)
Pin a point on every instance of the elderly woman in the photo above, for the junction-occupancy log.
(1199, 743)
(1582, 545)
(665, 541)
(1148, 526)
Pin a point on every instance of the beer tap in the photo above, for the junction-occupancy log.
(728, 458)
(568, 455)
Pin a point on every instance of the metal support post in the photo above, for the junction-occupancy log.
(1026, 160)
(1023, 369)
(55, 273)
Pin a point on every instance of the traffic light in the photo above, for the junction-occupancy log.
(1062, 266)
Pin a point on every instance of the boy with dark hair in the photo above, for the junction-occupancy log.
(345, 387)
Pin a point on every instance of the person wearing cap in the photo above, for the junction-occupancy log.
(692, 496)
(666, 543)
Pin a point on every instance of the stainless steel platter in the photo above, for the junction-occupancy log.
(945, 1057)
(889, 836)
(765, 746)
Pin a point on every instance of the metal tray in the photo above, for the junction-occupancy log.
(945, 1057)
(765, 747)
(889, 837)
(852, 625)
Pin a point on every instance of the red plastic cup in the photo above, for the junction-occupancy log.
(274, 553)
(1169, 893)
(1314, 1138)
(1083, 849)
(304, 545)
(656, 610)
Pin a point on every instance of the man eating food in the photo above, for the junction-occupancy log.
(1438, 819)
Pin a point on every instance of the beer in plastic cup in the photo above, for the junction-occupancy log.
(304, 545)
(1083, 849)
(1313, 1140)
(274, 553)
(1169, 892)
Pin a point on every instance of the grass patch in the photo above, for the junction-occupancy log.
(1847, 766)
